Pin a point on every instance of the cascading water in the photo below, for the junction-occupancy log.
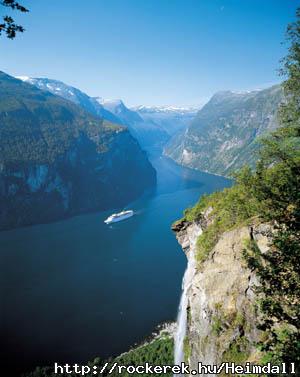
(182, 313)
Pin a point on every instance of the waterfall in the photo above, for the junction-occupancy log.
(182, 313)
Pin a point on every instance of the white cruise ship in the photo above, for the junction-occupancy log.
(118, 217)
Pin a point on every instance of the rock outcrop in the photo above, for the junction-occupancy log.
(222, 315)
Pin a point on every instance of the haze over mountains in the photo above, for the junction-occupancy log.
(147, 132)
(149, 125)
(62, 151)
(170, 118)
(219, 138)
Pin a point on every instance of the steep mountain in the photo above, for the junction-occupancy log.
(146, 131)
(117, 107)
(171, 119)
(224, 135)
(72, 94)
(57, 160)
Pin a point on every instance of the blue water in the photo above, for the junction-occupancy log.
(77, 289)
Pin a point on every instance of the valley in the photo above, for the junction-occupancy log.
(85, 154)
(149, 188)
(151, 126)
(91, 274)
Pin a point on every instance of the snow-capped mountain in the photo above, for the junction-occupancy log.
(170, 118)
(149, 125)
(66, 161)
(72, 94)
(146, 131)
(117, 107)
(165, 109)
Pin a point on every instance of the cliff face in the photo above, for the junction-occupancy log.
(57, 160)
(221, 312)
(80, 180)
(224, 135)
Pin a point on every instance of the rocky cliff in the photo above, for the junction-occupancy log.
(57, 160)
(226, 131)
(221, 307)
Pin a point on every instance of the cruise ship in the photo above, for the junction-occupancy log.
(118, 217)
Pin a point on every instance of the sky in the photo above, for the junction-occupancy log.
(151, 52)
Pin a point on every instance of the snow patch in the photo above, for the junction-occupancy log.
(165, 109)
(23, 78)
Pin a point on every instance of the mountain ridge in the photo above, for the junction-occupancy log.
(72, 94)
(58, 160)
(147, 133)
(225, 133)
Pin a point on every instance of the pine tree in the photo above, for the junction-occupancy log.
(276, 186)
(8, 25)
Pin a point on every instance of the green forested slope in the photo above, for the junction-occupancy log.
(225, 133)
(57, 160)
(269, 194)
(38, 126)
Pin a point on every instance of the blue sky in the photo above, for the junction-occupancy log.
(168, 52)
